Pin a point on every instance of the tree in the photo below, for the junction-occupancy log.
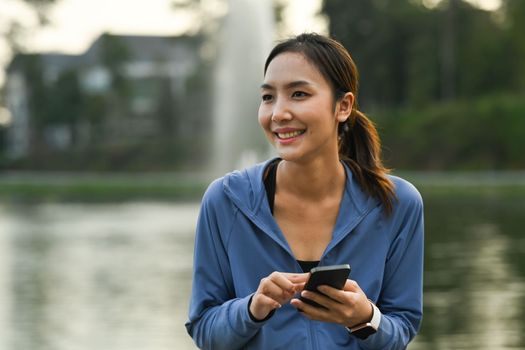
(514, 12)
(67, 103)
(114, 54)
(409, 54)
(391, 41)
(38, 97)
(13, 32)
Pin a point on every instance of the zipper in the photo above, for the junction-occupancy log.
(313, 337)
(311, 324)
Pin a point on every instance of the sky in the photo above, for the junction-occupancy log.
(76, 23)
(489, 5)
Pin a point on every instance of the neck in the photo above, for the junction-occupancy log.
(313, 180)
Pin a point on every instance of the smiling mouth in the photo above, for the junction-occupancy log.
(289, 135)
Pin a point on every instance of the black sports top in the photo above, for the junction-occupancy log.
(269, 184)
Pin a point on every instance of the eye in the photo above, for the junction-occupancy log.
(299, 94)
(267, 97)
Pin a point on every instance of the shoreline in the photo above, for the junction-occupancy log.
(191, 186)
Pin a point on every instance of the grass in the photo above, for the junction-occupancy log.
(101, 187)
(179, 187)
(468, 183)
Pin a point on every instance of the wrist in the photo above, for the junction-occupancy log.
(365, 329)
(367, 316)
(370, 313)
(253, 316)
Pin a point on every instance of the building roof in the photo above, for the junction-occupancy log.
(139, 47)
(145, 47)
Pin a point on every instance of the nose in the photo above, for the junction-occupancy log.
(281, 111)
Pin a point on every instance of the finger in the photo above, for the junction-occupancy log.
(281, 280)
(297, 277)
(267, 301)
(319, 299)
(333, 293)
(299, 286)
(310, 311)
(269, 288)
(351, 286)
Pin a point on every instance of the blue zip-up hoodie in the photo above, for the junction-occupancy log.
(238, 242)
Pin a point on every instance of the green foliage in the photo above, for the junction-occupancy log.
(408, 54)
(475, 134)
(448, 82)
(37, 90)
(515, 16)
(103, 187)
(114, 54)
(67, 99)
(394, 43)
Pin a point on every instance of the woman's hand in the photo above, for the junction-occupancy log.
(348, 307)
(274, 291)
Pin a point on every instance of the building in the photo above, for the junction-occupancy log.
(123, 89)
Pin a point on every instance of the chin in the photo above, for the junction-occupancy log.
(290, 156)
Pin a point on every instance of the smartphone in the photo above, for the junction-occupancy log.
(334, 276)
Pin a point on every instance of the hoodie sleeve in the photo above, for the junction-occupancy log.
(400, 300)
(217, 318)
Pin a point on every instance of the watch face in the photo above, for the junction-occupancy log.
(364, 331)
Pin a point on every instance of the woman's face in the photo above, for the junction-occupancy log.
(297, 109)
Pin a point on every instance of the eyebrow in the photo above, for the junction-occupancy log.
(290, 85)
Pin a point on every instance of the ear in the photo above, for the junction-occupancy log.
(344, 107)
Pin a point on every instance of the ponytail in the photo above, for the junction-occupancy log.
(360, 148)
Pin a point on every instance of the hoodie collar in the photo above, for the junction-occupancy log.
(246, 190)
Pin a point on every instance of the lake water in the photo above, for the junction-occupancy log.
(117, 276)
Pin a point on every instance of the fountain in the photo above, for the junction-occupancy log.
(244, 41)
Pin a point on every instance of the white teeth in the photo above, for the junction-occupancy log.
(288, 135)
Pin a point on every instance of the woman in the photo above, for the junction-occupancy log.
(326, 200)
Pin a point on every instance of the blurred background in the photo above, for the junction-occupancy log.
(115, 115)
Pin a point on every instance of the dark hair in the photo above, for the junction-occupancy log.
(359, 143)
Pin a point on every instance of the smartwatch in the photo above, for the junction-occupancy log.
(363, 330)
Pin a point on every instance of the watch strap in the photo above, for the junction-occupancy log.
(363, 330)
